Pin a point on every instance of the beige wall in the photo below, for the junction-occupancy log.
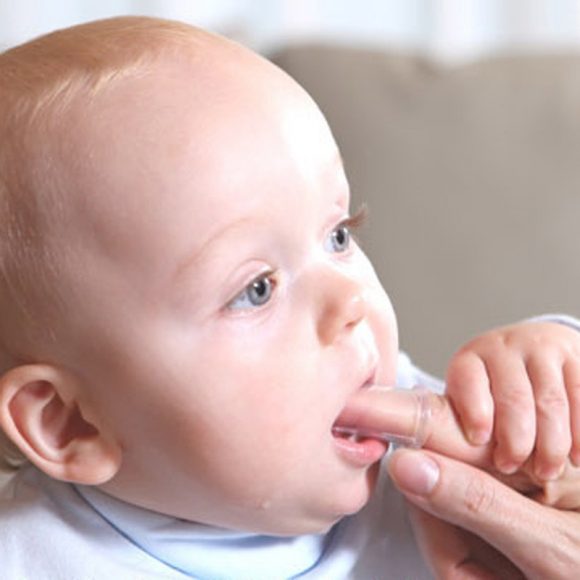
(472, 176)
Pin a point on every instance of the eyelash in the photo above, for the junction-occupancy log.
(356, 221)
(351, 223)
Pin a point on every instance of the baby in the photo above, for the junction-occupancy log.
(185, 315)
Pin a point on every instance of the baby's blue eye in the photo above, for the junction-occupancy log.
(255, 294)
(339, 239)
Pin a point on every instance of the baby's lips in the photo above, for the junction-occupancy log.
(402, 416)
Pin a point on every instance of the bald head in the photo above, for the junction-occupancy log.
(152, 173)
(72, 105)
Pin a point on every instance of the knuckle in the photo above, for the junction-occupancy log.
(491, 344)
(479, 498)
(550, 401)
(509, 398)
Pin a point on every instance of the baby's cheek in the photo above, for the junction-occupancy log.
(384, 325)
(372, 281)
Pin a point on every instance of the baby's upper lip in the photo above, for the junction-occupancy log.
(368, 378)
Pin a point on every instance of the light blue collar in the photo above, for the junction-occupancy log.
(205, 552)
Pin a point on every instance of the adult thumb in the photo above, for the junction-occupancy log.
(524, 531)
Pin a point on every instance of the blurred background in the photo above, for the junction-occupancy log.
(459, 124)
(452, 30)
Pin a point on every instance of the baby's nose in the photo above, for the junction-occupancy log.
(343, 305)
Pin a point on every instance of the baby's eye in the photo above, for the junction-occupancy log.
(255, 294)
(339, 239)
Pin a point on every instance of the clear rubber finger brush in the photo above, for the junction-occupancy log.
(396, 415)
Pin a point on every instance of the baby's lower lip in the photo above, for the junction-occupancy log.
(359, 451)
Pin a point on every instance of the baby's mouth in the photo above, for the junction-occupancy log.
(350, 434)
(354, 442)
(358, 449)
(387, 414)
(346, 424)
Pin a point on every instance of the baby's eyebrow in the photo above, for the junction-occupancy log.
(202, 250)
(189, 262)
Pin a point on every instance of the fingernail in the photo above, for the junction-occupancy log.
(479, 436)
(549, 473)
(506, 467)
(414, 472)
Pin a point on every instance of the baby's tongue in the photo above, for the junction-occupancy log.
(393, 414)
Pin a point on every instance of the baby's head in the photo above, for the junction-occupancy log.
(183, 311)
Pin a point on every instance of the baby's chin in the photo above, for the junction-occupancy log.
(351, 506)
(320, 523)
(371, 478)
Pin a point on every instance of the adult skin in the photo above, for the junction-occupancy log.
(470, 524)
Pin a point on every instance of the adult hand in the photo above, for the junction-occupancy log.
(470, 521)
(471, 525)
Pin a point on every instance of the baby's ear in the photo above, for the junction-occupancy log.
(40, 413)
